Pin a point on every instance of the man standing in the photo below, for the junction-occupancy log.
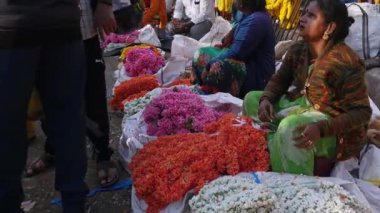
(41, 43)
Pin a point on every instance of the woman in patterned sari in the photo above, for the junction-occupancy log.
(323, 118)
(245, 61)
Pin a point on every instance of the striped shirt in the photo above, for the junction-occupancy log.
(87, 20)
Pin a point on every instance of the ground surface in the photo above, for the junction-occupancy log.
(40, 189)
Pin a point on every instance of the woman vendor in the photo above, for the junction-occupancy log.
(323, 117)
(246, 62)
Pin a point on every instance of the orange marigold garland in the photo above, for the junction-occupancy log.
(138, 85)
(184, 81)
(167, 168)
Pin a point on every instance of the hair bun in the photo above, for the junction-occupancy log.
(350, 21)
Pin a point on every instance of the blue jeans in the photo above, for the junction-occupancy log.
(58, 71)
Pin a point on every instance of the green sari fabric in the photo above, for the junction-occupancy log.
(284, 155)
(223, 76)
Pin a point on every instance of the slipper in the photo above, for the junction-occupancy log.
(108, 173)
(40, 165)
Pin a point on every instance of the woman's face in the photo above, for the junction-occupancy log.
(238, 4)
(312, 23)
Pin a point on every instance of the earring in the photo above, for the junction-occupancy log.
(326, 36)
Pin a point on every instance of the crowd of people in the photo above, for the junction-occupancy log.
(315, 106)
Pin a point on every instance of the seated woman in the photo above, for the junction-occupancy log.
(155, 10)
(323, 119)
(246, 60)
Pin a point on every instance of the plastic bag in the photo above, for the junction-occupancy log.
(185, 47)
(373, 84)
(219, 29)
(355, 36)
(369, 169)
(148, 35)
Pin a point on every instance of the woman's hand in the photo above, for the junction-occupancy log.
(306, 136)
(266, 112)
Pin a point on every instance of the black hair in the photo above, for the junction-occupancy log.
(336, 11)
(254, 5)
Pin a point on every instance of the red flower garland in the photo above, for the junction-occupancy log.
(132, 87)
(166, 169)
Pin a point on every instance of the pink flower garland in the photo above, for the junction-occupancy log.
(142, 61)
(128, 38)
(178, 111)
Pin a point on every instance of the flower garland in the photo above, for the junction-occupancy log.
(142, 61)
(184, 81)
(113, 38)
(167, 168)
(176, 111)
(320, 196)
(135, 106)
(139, 85)
(126, 50)
(233, 194)
(241, 194)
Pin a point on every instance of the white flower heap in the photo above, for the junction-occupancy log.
(275, 194)
(233, 194)
(317, 196)
(135, 106)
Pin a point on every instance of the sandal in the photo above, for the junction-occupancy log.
(108, 173)
(40, 165)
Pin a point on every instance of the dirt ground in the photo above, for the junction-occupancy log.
(40, 189)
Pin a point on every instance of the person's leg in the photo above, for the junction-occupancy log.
(17, 73)
(199, 30)
(97, 123)
(61, 84)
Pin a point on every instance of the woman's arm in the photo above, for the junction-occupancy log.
(246, 38)
(355, 102)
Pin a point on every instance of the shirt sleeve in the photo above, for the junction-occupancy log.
(353, 92)
(205, 7)
(178, 10)
(247, 37)
(281, 80)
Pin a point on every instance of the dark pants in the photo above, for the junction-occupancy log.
(59, 73)
(97, 123)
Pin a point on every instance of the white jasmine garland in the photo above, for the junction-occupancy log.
(233, 194)
(275, 194)
(135, 106)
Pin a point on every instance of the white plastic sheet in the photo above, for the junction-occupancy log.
(354, 39)
(369, 169)
(185, 47)
(219, 29)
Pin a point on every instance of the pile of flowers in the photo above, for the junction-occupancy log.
(141, 61)
(176, 111)
(233, 194)
(132, 89)
(136, 105)
(126, 50)
(316, 196)
(242, 194)
(113, 38)
(183, 81)
(167, 168)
